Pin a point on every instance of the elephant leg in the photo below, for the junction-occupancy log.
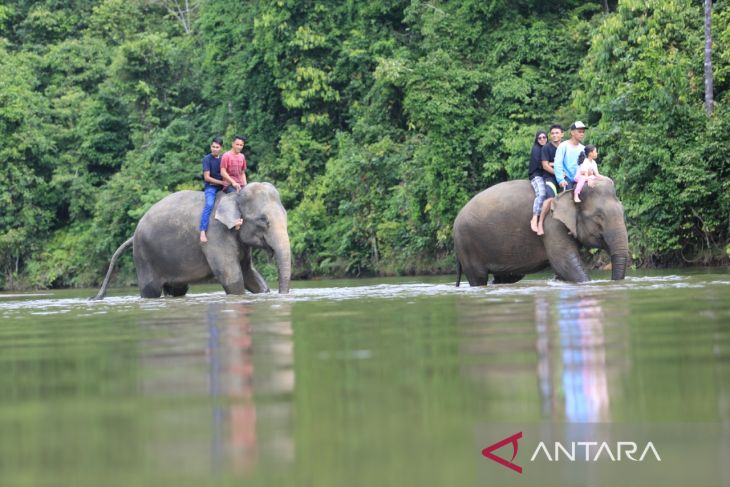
(477, 278)
(148, 284)
(507, 278)
(227, 271)
(175, 290)
(562, 252)
(252, 280)
(150, 289)
(232, 281)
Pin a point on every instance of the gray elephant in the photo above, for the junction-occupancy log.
(168, 254)
(492, 234)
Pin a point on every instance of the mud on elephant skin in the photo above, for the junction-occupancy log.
(492, 234)
(168, 255)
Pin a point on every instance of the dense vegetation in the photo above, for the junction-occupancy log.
(377, 120)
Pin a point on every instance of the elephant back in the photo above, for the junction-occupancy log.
(503, 202)
(176, 204)
(167, 234)
(493, 229)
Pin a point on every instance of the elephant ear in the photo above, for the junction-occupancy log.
(228, 212)
(563, 208)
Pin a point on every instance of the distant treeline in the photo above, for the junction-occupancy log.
(377, 120)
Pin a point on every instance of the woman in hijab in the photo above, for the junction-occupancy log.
(537, 176)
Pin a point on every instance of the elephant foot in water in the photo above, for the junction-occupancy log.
(150, 290)
(175, 290)
(507, 278)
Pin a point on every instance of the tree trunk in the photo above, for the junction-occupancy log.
(709, 84)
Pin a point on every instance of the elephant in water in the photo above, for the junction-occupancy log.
(168, 254)
(492, 234)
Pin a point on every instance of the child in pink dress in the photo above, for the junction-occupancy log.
(587, 170)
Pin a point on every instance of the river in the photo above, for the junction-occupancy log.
(344, 382)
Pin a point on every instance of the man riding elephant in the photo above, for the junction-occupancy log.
(168, 255)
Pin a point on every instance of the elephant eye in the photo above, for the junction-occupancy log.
(262, 221)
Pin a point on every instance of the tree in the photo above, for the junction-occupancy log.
(641, 86)
(184, 11)
(376, 120)
(709, 84)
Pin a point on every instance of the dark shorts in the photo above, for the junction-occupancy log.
(551, 188)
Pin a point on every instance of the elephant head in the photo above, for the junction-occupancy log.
(596, 222)
(264, 224)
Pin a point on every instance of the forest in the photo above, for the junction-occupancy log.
(377, 121)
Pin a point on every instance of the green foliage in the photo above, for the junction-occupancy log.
(376, 120)
(652, 129)
(26, 215)
(59, 263)
(116, 20)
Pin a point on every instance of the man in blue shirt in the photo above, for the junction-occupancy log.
(566, 157)
(213, 183)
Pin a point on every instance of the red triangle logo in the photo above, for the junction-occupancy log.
(487, 452)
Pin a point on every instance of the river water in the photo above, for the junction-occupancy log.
(348, 382)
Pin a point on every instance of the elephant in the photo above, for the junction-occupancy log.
(168, 254)
(492, 234)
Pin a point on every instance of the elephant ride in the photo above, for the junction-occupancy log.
(492, 234)
(168, 254)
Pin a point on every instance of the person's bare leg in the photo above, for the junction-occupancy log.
(541, 218)
(533, 223)
(203, 236)
(578, 188)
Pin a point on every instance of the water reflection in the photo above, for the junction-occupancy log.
(575, 362)
(583, 351)
(240, 381)
(392, 380)
(544, 370)
(231, 376)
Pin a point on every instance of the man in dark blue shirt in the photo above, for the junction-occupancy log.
(551, 185)
(213, 183)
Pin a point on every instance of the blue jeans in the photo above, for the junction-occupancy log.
(210, 193)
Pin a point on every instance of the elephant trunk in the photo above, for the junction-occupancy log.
(282, 254)
(618, 266)
(618, 248)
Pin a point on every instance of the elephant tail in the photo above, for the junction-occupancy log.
(102, 291)
(458, 272)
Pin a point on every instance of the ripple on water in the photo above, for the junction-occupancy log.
(530, 287)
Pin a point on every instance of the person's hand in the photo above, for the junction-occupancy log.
(237, 186)
(563, 184)
(591, 183)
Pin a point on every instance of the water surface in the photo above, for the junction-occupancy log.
(361, 382)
